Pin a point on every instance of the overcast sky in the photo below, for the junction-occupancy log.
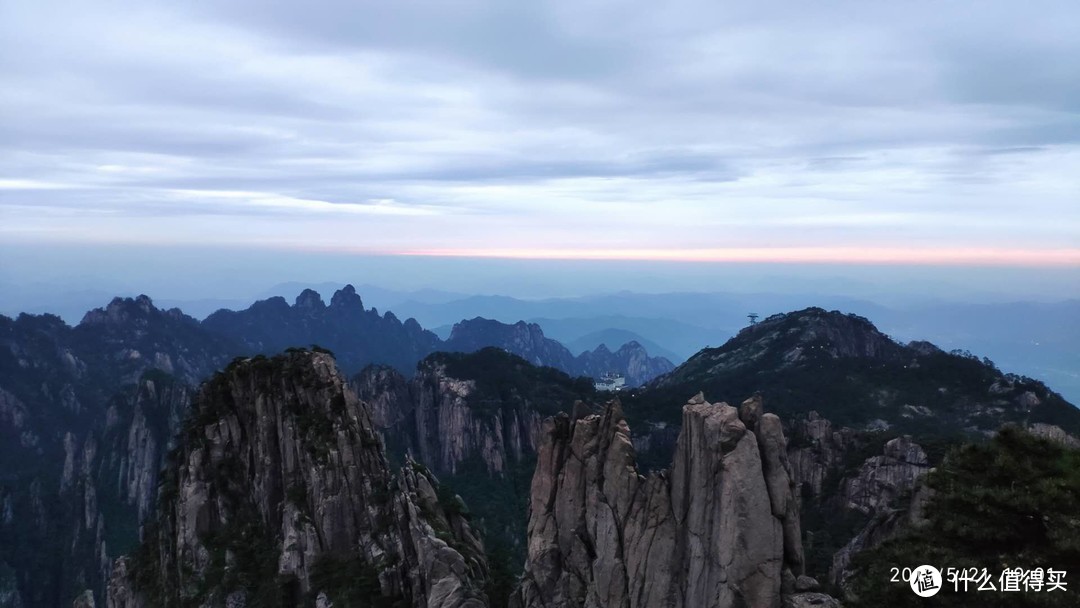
(899, 132)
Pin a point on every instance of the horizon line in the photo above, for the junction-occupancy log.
(1059, 257)
(964, 256)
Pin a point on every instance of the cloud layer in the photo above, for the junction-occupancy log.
(476, 127)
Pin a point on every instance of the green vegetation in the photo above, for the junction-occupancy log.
(243, 555)
(854, 391)
(842, 367)
(451, 503)
(1008, 503)
(497, 509)
(350, 582)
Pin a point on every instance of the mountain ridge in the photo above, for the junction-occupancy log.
(842, 366)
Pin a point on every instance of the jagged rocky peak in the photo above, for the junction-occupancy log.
(309, 300)
(359, 337)
(719, 529)
(346, 297)
(279, 493)
(130, 311)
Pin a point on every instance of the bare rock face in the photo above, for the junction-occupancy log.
(821, 449)
(448, 422)
(85, 600)
(279, 488)
(1054, 433)
(888, 488)
(387, 393)
(720, 529)
(882, 479)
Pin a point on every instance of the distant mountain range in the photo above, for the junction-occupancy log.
(360, 336)
(1041, 340)
(527, 341)
(90, 414)
(1033, 338)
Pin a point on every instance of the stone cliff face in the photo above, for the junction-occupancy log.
(138, 430)
(478, 412)
(854, 498)
(279, 494)
(820, 453)
(109, 479)
(883, 479)
(66, 397)
(720, 529)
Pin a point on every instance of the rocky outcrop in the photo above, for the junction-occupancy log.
(719, 529)
(883, 479)
(888, 489)
(279, 488)
(816, 451)
(1054, 433)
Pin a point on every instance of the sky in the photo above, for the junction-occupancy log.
(934, 137)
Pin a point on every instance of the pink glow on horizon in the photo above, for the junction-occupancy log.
(826, 255)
